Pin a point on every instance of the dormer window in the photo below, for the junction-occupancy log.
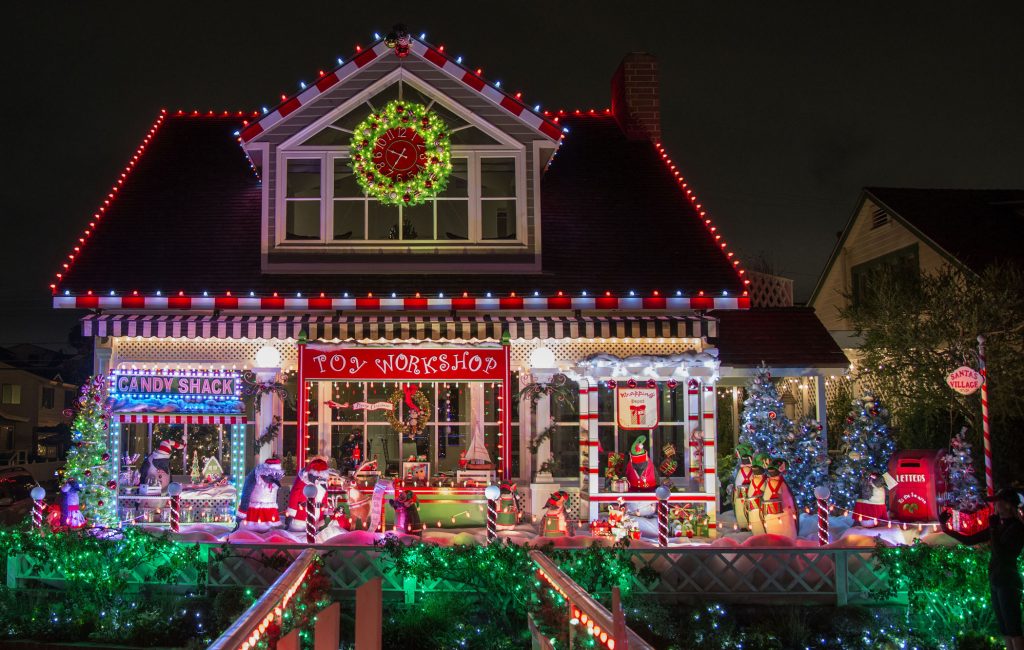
(323, 205)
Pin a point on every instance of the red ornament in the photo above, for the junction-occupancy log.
(105, 457)
(672, 383)
(88, 472)
(100, 503)
(425, 121)
(406, 198)
(612, 384)
(631, 383)
(772, 415)
(651, 383)
(111, 485)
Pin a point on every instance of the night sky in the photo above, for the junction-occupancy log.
(778, 113)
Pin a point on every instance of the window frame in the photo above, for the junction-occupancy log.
(330, 154)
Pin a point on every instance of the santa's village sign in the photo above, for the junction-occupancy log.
(964, 380)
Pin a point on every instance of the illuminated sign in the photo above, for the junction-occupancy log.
(186, 391)
(403, 364)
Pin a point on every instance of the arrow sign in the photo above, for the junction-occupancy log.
(964, 380)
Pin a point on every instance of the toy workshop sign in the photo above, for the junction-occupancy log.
(637, 408)
(403, 364)
(964, 380)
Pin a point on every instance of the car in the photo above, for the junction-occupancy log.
(16, 485)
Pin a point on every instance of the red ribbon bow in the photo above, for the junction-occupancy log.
(410, 390)
(637, 410)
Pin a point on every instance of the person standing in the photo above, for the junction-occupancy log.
(1006, 534)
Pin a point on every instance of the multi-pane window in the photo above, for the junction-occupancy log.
(10, 394)
(302, 199)
(46, 400)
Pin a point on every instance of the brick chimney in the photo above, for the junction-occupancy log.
(635, 102)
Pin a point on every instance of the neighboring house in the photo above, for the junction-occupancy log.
(565, 242)
(919, 231)
(32, 422)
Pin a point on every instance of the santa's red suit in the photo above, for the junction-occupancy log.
(640, 470)
(314, 474)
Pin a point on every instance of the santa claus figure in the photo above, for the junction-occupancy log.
(640, 470)
(257, 506)
(156, 468)
(554, 515)
(315, 473)
(872, 508)
(744, 470)
(754, 495)
(407, 514)
(778, 508)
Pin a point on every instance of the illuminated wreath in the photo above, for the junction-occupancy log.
(402, 155)
(417, 425)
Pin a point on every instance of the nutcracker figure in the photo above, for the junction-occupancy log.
(508, 506)
(554, 517)
(754, 495)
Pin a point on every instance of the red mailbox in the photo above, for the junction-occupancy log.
(920, 480)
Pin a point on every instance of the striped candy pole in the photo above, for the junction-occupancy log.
(174, 489)
(984, 417)
(662, 493)
(310, 493)
(492, 493)
(822, 494)
(38, 494)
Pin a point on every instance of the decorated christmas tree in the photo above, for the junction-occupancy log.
(963, 492)
(194, 473)
(808, 462)
(867, 445)
(765, 426)
(88, 461)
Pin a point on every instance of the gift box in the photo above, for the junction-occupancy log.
(618, 485)
(969, 523)
(600, 528)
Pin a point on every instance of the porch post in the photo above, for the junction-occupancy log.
(506, 408)
(821, 398)
(300, 410)
(267, 409)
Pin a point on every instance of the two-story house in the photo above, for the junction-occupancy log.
(408, 246)
(33, 398)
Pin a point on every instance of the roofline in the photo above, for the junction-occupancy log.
(838, 247)
(472, 79)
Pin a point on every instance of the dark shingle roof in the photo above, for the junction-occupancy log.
(782, 337)
(976, 227)
(188, 219)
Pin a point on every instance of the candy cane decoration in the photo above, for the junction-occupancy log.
(984, 416)
(662, 493)
(822, 493)
(38, 494)
(310, 493)
(492, 493)
(174, 489)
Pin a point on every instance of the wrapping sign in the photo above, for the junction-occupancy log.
(964, 380)
(637, 408)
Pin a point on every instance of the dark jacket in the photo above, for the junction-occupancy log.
(1007, 539)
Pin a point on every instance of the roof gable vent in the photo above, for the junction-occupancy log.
(879, 217)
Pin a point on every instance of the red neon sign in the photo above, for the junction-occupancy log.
(403, 364)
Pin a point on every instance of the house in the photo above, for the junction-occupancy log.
(447, 280)
(33, 427)
(918, 231)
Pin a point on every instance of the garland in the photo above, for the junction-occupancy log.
(422, 417)
(559, 389)
(538, 438)
(269, 434)
(412, 123)
(257, 389)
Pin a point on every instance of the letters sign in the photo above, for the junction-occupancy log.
(637, 408)
(403, 364)
(964, 380)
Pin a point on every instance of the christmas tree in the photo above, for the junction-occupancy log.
(88, 462)
(867, 445)
(808, 463)
(963, 492)
(765, 425)
(194, 472)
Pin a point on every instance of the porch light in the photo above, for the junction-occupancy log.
(268, 357)
(542, 357)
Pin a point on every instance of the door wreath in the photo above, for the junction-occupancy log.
(417, 410)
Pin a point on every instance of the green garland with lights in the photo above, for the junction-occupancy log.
(435, 161)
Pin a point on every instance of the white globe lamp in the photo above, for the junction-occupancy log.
(542, 357)
(268, 357)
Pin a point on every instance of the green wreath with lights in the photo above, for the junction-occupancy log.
(414, 426)
(402, 154)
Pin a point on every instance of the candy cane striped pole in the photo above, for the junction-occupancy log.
(174, 489)
(662, 493)
(310, 493)
(492, 493)
(38, 494)
(822, 494)
(984, 417)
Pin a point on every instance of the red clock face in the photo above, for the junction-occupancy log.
(399, 154)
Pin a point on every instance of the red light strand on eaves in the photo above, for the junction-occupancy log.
(111, 195)
(699, 207)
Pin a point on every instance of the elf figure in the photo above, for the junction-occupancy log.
(554, 517)
(407, 514)
(754, 495)
(70, 514)
(315, 473)
(157, 466)
(640, 470)
(508, 506)
(778, 508)
(873, 507)
(257, 507)
(744, 456)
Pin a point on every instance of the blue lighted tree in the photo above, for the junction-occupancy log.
(963, 492)
(867, 445)
(765, 426)
(808, 463)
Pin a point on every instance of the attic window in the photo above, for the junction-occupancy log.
(879, 218)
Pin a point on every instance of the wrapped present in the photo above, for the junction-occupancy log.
(970, 523)
(618, 485)
(600, 528)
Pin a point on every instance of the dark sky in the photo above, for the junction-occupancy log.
(778, 112)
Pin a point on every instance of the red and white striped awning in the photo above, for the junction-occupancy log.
(433, 328)
(164, 418)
